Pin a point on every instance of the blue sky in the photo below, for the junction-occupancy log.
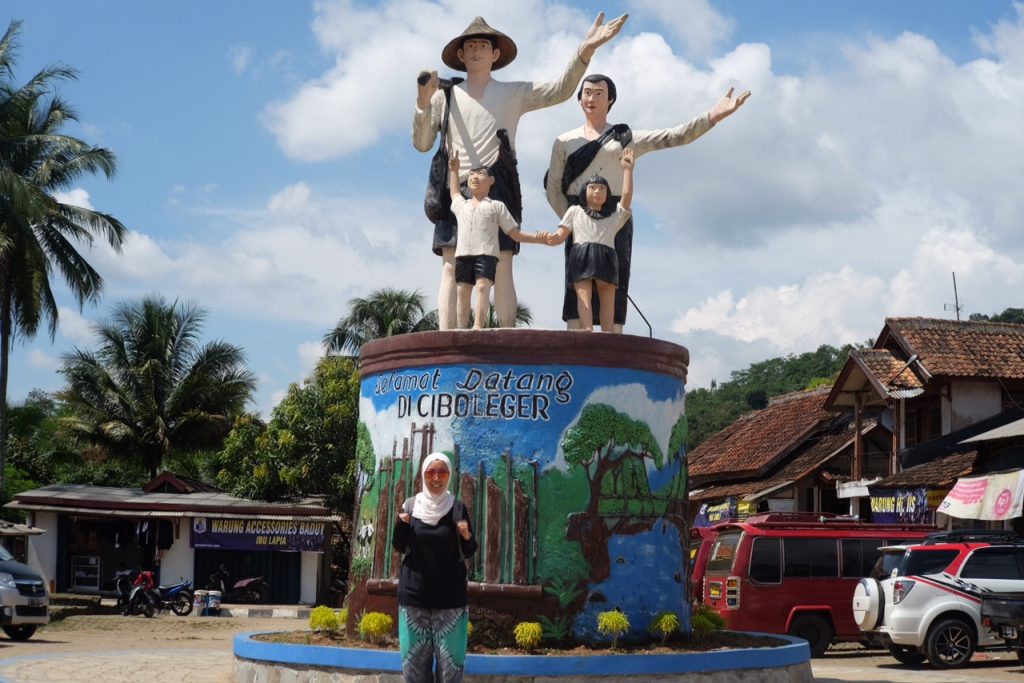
(267, 174)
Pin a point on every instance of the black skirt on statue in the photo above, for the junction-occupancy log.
(593, 261)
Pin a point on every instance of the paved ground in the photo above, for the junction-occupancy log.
(116, 649)
(171, 649)
(851, 662)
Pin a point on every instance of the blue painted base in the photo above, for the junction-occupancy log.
(796, 651)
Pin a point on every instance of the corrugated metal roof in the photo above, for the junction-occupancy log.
(203, 503)
(168, 514)
(1006, 431)
(905, 393)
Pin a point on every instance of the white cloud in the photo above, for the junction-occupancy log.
(42, 360)
(75, 197)
(701, 29)
(75, 328)
(310, 353)
(239, 56)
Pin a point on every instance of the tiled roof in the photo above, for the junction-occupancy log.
(938, 473)
(967, 348)
(822, 447)
(891, 371)
(760, 438)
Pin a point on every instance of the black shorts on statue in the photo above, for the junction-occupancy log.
(593, 261)
(469, 269)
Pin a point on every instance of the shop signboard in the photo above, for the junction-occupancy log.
(709, 515)
(257, 534)
(900, 506)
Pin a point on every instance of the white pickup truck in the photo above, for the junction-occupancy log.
(24, 600)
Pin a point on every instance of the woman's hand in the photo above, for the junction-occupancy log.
(463, 527)
(404, 517)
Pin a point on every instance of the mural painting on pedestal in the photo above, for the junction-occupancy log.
(575, 478)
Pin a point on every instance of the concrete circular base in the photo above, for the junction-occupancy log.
(263, 662)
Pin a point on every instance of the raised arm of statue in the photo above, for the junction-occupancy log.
(599, 34)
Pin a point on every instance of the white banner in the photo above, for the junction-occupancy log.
(992, 497)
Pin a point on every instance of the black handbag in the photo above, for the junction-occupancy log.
(437, 201)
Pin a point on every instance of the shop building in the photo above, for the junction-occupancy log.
(182, 529)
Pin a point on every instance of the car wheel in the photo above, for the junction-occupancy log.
(867, 604)
(21, 632)
(950, 644)
(906, 655)
(815, 629)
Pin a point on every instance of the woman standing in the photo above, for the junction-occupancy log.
(434, 533)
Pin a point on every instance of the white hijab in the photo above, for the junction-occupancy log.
(428, 507)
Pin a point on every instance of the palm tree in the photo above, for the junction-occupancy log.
(38, 233)
(150, 389)
(386, 312)
(523, 316)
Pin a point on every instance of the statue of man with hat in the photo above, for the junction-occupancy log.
(484, 115)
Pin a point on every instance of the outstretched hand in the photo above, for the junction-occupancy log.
(599, 34)
(727, 105)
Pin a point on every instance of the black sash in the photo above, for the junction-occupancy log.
(577, 162)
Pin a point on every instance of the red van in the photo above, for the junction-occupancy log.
(794, 572)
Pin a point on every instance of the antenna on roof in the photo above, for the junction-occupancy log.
(954, 306)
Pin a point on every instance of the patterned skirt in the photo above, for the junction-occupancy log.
(428, 635)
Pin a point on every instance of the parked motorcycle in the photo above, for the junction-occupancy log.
(141, 598)
(123, 580)
(252, 589)
(177, 597)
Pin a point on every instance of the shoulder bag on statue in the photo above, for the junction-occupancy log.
(438, 199)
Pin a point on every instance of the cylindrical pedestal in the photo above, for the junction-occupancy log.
(568, 454)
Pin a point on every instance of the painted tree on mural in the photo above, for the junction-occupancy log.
(602, 440)
(365, 457)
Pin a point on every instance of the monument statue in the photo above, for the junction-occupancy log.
(594, 222)
(481, 220)
(484, 115)
(595, 149)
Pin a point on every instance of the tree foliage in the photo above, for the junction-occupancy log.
(603, 439)
(1009, 315)
(308, 448)
(386, 312)
(710, 410)
(150, 388)
(40, 235)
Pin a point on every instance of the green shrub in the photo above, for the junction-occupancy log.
(614, 624)
(528, 634)
(469, 630)
(343, 617)
(374, 626)
(706, 620)
(323, 618)
(359, 569)
(665, 625)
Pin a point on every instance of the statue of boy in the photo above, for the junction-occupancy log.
(595, 149)
(485, 114)
(594, 223)
(480, 221)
